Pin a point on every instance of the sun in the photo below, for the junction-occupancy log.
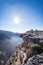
(16, 20)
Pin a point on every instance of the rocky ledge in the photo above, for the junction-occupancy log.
(30, 52)
(27, 55)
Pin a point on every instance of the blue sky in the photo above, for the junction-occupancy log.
(30, 13)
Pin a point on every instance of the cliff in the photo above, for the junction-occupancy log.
(30, 52)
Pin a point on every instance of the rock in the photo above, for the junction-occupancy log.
(35, 60)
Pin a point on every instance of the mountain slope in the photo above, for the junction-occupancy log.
(8, 43)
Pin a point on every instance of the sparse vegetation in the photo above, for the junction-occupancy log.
(33, 49)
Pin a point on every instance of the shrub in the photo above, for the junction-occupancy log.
(33, 50)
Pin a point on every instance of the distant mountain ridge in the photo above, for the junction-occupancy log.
(8, 33)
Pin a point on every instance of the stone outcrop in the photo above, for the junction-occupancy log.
(26, 54)
(30, 52)
(35, 60)
(18, 57)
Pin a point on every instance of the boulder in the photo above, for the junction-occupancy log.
(35, 60)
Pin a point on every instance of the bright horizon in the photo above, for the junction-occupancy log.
(21, 15)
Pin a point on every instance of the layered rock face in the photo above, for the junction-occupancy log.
(18, 57)
(26, 56)
(30, 52)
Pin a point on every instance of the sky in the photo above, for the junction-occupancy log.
(29, 13)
